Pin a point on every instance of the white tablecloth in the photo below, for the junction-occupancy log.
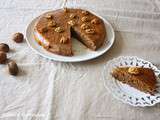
(49, 90)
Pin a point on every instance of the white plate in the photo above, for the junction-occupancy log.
(81, 53)
(124, 92)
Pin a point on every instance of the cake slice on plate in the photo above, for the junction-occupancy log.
(140, 78)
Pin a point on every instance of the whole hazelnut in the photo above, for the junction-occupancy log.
(13, 68)
(4, 47)
(18, 37)
(3, 57)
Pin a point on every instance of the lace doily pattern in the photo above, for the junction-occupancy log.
(124, 92)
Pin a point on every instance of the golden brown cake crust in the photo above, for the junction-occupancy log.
(142, 79)
(56, 27)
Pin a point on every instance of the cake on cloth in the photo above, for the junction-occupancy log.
(54, 30)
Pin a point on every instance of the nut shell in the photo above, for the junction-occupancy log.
(4, 47)
(3, 57)
(13, 68)
(18, 37)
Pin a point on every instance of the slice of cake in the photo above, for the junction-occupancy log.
(140, 78)
(54, 30)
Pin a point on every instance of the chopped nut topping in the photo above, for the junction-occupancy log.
(85, 19)
(90, 31)
(84, 26)
(63, 40)
(44, 30)
(95, 21)
(72, 16)
(134, 70)
(58, 29)
(65, 10)
(84, 12)
(71, 22)
(51, 24)
(48, 16)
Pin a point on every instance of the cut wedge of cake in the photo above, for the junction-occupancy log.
(54, 30)
(140, 78)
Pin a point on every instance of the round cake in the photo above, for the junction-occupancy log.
(54, 30)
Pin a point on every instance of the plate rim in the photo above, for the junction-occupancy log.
(115, 94)
(77, 60)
